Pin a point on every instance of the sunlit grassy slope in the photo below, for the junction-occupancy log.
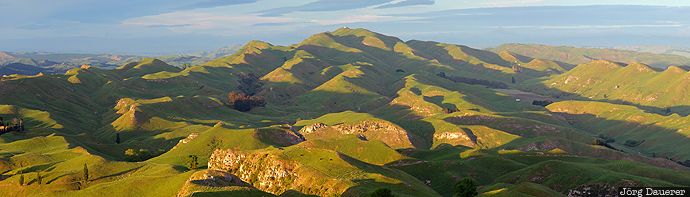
(574, 55)
(381, 112)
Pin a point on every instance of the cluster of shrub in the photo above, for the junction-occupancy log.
(245, 98)
(543, 103)
(39, 178)
(450, 110)
(243, 102)
(472, 81)
(685, 163)
(605, 141)
(466, 187)
(633, 143)
(135, 155)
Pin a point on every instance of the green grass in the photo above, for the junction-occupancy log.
(663, 135)
(345, 78)
(574, 55)
(374, 152)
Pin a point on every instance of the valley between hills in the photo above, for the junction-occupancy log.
(347, 113)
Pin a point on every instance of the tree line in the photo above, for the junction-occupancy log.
(466, 187)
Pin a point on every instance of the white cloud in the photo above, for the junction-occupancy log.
(193, 20)
(510, 3)
(588, 26)
(358, 19)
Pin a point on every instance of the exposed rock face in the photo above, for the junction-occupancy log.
(366, 126)
(390, 134)
(455, 138)
(189, 138)
(186, 140)
(275, 171)
(312, 128)
(264, 171)
(539, 146)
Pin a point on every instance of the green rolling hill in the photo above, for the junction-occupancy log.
(659, 91)
(576, 55)
(345, 113)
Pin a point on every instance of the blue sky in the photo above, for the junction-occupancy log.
(177, 26)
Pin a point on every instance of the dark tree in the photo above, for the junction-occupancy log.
(606, 139)
(137, 155)
(239, 101)
(256, 101)
(686, 163)
(86, 173)
(442, 74)
(117, 138)
(245, 99)
(512, 80)
(192, 162)
(382, 192)
(517, 68)
(466, 187)
(39, 179)
(243, 102)
(21, 179)
(449, 110)
(243, 105)
(542, 103)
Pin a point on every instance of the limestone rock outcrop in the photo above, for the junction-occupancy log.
(386, 132)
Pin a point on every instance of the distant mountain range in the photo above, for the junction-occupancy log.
(658, 49)
(200, 57)
(31, 63)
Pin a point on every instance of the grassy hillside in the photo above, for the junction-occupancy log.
(575, 55)
(346, 113)
(635, 83)
(662, 136)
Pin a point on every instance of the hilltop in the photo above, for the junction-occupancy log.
(346, 113)
(576, 55)
(635, 83)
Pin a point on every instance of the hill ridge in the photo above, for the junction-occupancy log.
(344, 113)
